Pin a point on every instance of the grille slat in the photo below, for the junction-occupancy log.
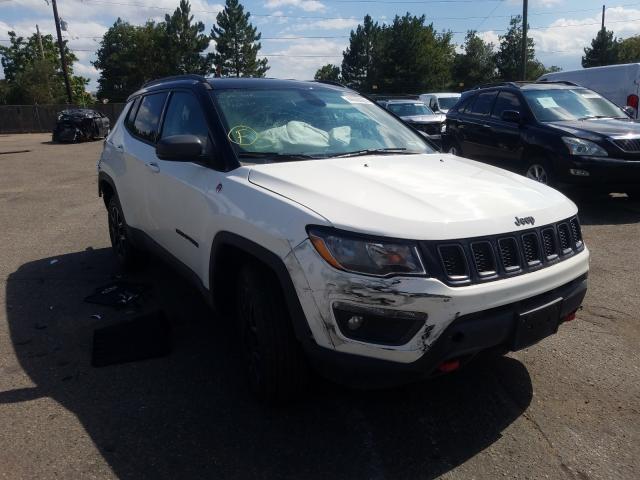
(549, 243)
(565, 238)
(531, 249)
(454, 262)
(481, 259)
(576, 232)
(509, 254)
(484, 259)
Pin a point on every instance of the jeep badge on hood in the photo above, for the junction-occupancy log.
(524, 221)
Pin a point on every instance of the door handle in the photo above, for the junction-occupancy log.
(154, 167)
(120, 148)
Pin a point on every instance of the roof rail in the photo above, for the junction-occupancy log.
(563, 82)
(188, 76)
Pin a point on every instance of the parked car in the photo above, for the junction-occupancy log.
(419, 116)
(80, 124)
(440, 102)
(617, 83)
(555, 133)
(332, 234)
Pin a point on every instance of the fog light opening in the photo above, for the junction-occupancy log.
(578, 172)
(449, 366)
(355, 322)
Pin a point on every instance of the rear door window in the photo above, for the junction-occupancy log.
(147, 121)
(131, 115)
(506, 101)
(484, 102)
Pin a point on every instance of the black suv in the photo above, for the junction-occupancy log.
(557, 133)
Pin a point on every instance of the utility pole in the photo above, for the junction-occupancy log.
(40, 41)
(63, 60)
(525, 8)
(603, 8)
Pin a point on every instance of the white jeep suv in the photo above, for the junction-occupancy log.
(334, 234)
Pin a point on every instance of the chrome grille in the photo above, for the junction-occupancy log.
(628, 144)
(482, 259)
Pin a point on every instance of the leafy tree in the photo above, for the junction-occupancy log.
(237, 44)
(414, 57)
(360, 57)
(33, 75)
(630, 50)
(509, 55)
(185, 42)
(328, 72)
(477, 64)
(126, 61)
(604, 50)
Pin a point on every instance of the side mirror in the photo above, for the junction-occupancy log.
(512, 116)
(629, 110)
(179, 147)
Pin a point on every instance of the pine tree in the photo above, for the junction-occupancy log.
(359, 58)
(509, 56)
(237, 44)
(604, 50)
(185, 42)
(328, 72)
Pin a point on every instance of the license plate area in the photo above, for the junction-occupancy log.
(536, 324)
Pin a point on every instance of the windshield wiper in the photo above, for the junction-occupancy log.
(279, 157)
(590, 117)
(375, 151)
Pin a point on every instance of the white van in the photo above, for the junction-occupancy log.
(618, 83)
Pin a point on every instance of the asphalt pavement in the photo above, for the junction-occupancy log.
(567, 408)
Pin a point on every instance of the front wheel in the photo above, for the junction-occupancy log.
(455, 149)
(539, 171)
(274, 358)
(128, 256)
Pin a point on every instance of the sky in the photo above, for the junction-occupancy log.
(298, 36)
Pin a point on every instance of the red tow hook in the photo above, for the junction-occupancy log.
(449, 366)
(571, 316)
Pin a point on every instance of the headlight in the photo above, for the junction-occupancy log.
(356, 254)
(579, 146)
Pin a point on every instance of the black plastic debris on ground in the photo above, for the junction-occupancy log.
(117, 294)
(147, 336)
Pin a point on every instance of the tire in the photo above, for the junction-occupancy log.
(129, 257)
(275, 363)
(540, 171)
(455, 149)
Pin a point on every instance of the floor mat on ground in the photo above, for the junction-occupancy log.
(144, 337)
(117, 294)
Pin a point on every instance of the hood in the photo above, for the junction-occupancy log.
(419, 197)
(593, 129)
(437, 118)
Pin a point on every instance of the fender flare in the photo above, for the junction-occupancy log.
(275, 263)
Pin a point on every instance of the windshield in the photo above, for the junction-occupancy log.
(409, 109)
(447, 102)
(570, 104)
(273, 124)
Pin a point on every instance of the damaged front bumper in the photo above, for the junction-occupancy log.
(428, 321)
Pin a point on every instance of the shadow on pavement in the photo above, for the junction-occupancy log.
(604, 209)
(190, 414)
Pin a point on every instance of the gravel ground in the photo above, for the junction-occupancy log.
(566, 408)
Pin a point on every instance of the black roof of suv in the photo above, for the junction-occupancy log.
(554, 132)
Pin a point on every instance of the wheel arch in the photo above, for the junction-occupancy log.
(228, 250)
(106, 187)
